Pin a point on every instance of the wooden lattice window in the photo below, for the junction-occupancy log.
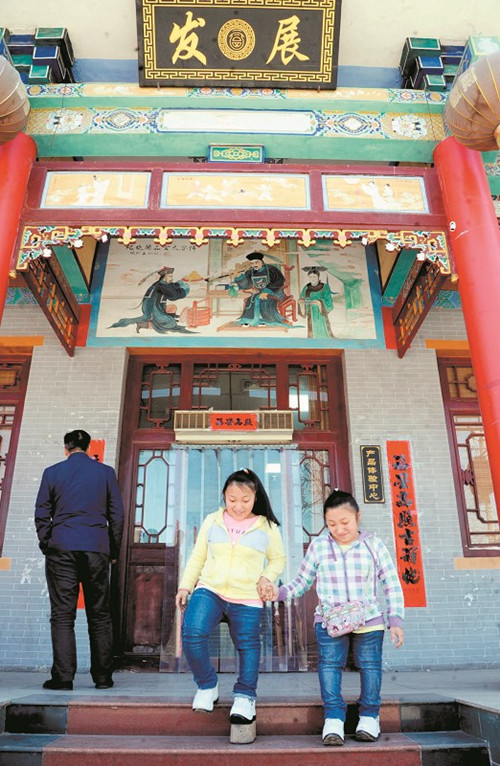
(153, 485)
(234, 387)
(13, 381)
(315, 486)
(160, 390)
(308, 396)
(479, 523)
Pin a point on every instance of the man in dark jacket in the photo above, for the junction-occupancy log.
(79, 522)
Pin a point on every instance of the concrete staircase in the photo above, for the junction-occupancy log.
(60, 729)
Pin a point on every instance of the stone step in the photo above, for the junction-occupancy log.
(61, 713)
(417, 749)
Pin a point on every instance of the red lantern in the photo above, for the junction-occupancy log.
(14, 104)
(472, 112)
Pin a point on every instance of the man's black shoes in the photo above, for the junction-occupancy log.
(56, 685)
(106, 683)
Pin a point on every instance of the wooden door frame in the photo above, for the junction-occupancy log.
(463, 407)
(17, 399)
(133, 438)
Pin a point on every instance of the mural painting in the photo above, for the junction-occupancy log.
(96, 190)
(217, 294)
(286, 191)
(380, 193)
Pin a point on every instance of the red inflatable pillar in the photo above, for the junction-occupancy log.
(475, 239)
(16, 159)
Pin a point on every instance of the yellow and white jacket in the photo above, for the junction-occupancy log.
(233, 572)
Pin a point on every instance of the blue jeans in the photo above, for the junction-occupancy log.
(204, 612)
(367, 653)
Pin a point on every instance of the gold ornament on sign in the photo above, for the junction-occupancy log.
(14, 104)
(236, 39)
(472, 112)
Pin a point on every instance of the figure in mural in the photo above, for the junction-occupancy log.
(316, 300)
(157, 313)
(265, 282)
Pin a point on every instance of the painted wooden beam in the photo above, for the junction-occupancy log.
(345, 125)
(122, 120)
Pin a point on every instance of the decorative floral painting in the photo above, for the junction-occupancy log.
(380, 193)
(96, 190)
(219, 295)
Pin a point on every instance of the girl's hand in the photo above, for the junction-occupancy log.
(265, 589)
(397, 636)
(181, 598)
(274, 594)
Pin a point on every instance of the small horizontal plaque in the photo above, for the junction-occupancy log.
(235, 153)
(233, 421)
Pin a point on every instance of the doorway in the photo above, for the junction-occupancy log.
(170, 487)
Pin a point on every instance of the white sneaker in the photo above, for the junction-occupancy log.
(368, 729)
(204, 699)
(243, 710)
(333, 732)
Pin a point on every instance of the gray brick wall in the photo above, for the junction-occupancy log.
(63, 393)
(388, 398)
(392, 398)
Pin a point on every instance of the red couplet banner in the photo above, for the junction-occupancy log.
(96, 452)
(405, 520)
(96, 449)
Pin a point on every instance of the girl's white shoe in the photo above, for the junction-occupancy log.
(368, 729)
(204, 699)
(243, 710)
(333, 732)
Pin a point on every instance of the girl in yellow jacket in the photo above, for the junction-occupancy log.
(237, 554)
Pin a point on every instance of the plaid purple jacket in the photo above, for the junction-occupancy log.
(350, 576)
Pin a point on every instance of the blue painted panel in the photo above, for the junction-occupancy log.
(126, 70)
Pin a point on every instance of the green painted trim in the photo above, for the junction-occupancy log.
(114, 95)
(400, 271)
(182, 145)
(494, 182)
(72, 273)
(249, 105)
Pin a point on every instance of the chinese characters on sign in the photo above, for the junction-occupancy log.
(291, 43)
(405, 519)
(371, 468)
(233, 421)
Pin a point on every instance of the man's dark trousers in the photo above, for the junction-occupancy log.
(64, 571)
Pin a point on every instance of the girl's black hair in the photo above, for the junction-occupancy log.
(247, 478)
(338, 497)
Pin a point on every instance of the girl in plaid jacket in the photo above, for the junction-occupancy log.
(347, 565)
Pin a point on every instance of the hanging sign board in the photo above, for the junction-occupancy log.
(233, 421)
(283, 44)
(371, 468)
